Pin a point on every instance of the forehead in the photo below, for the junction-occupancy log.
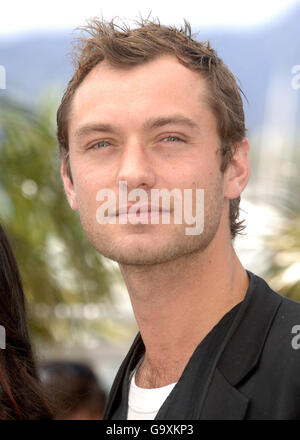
(163, 85)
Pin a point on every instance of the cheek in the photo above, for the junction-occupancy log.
(86, 187)
(199, 176)
(87, 176)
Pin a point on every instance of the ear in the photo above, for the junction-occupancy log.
(237, 173)
(68, 185)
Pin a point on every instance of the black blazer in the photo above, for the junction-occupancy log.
(256, 373)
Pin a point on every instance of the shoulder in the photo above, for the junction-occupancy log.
(286, 322)
(273, 354)
(288, 310)
(276, 316)
(283, 339)
(289, 307)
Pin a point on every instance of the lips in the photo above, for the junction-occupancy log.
(140, 210)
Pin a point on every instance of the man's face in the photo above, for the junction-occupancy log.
(151, 127)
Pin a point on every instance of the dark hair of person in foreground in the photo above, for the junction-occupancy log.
(21, 395)
(76, 392)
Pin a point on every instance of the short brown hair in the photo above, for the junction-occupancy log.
(123, 47)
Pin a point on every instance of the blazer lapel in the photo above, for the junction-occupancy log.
(224, 402)
(120, 383)
(240, 353)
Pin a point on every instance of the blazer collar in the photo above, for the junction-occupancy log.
(240, 353)
(245, 340)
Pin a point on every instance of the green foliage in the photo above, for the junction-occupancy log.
(283, 273)
(56, 262)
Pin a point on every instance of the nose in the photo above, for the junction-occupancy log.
(135, 167)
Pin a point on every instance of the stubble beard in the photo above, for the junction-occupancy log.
(169, 244)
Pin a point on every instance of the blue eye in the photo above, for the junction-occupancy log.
(173, 139)
(101, 144)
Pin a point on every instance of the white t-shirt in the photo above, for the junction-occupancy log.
(144, 403)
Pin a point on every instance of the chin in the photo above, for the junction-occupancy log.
(138, 255)
(137, 258)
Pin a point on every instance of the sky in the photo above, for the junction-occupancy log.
(18, 17)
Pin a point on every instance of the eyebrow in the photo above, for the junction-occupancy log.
(149, 124)
(84, 130)
(165, 120)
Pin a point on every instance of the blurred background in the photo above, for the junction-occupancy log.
(78, 307)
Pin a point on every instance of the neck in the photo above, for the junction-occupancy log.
(177, 303)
